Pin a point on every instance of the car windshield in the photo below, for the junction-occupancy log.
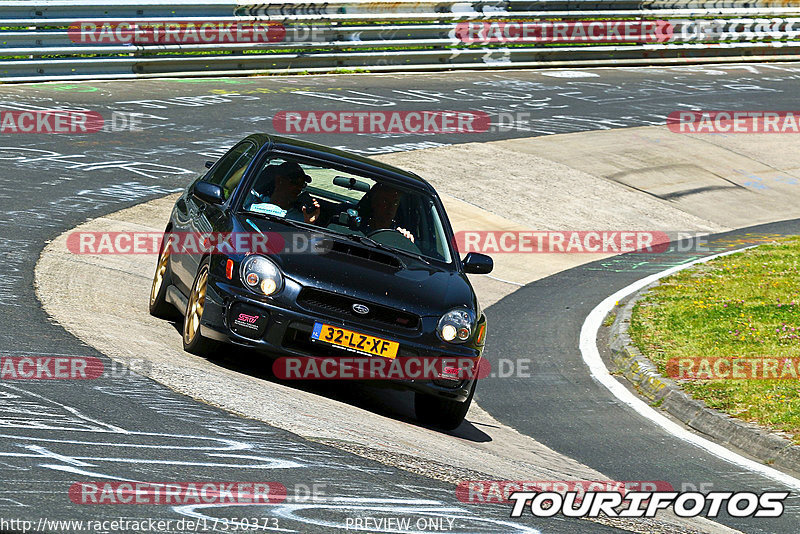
(398, 218)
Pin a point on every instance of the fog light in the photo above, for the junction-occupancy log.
(268, 286)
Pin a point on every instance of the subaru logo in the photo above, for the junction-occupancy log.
(360, 309)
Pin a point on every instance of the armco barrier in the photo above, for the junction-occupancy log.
(48, 39)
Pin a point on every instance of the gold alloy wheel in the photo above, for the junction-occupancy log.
(194, 311)
(158, 279)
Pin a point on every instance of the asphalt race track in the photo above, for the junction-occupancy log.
(130, 428)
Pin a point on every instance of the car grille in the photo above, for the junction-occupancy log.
(342, 306)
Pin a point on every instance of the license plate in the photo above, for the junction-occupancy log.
(353, 341)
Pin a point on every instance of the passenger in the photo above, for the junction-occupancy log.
(290, 180)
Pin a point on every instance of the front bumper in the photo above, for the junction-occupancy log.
(288, 327)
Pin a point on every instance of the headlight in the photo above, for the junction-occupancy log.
(455, 326)
(261, 275)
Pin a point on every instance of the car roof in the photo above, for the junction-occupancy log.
(334, 155)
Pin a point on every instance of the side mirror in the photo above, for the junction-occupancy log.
(211, 193)
(475, 263)
(209, 164)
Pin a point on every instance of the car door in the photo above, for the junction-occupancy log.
(199, 217)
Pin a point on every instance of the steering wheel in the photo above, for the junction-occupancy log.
(393, 238)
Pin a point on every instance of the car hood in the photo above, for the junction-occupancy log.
(413, 286)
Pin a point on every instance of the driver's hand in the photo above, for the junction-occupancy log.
(406, 233)
(311, 216)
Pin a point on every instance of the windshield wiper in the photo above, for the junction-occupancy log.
(414, 255)
(275, 218)
(364, 240)
(369, 241)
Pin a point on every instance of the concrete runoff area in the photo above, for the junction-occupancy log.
(530, 182)
(711, 176)
(539, 183)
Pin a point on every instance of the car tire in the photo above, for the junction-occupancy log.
(193, 340)
(443, 413)
(162, 279)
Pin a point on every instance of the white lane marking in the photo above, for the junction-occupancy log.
(504, 281)
(265, 463)
(225, 444)
(90, 474)
(569, 74)
(591, 356)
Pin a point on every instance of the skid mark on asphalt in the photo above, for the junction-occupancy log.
(50, 159)
(39, 412)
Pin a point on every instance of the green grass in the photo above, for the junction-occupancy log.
(745, 305)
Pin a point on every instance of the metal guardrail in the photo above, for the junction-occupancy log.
(42, 40)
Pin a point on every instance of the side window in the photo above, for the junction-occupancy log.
(230, 169)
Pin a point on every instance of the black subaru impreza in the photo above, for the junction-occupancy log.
(309, 253)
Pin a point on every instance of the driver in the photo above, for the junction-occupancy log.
(289, 183)
(381, 210)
